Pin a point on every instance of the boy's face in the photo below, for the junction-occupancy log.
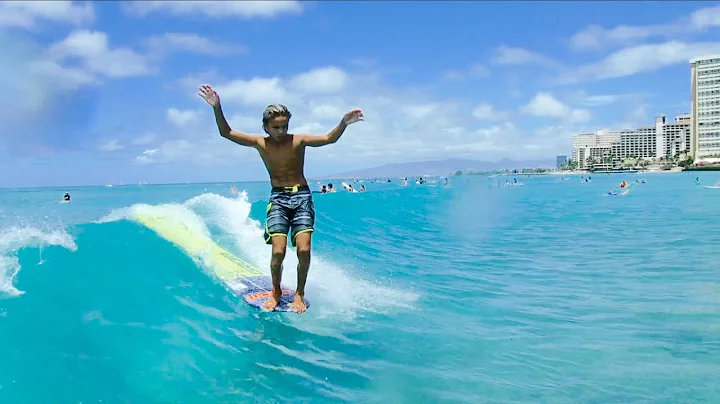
(277, 127)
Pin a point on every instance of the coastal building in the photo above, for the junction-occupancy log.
(705, 107)
(561, 162)
(663, 139)
(593, 146)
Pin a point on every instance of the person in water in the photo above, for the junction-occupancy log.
(66, 197)
(291, 206)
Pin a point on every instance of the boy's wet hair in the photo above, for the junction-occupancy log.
(273, 111)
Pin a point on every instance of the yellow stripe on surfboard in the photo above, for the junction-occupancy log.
(225, 265)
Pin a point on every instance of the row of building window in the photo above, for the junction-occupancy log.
(707, 61)
(709, 103)
(709, 72)
(708, 82)
(706, 135)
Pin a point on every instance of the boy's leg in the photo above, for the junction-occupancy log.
(276, 229)
(302, 246)
(302, 227)
(279, 243)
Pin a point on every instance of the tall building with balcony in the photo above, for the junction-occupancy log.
(593, 146)
(663, 139)
(705, 107)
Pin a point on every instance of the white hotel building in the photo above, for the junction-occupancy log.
(663, 139)
(705, 104)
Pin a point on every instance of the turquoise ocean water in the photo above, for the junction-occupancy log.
(549, 292)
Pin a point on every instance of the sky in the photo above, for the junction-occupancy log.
(106, 92)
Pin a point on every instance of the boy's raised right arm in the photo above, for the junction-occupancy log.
(212, 98)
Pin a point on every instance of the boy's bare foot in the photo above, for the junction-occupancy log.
(298, 304)
(273, 301)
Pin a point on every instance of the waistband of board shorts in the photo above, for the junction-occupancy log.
(291, 190)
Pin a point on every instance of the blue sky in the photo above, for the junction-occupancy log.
(105, 93)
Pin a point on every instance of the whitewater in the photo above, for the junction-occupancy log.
(546, 292)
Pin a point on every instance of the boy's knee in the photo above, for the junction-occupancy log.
(303, 250)
(278, 254)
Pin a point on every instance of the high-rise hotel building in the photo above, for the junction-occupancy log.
(705, 105)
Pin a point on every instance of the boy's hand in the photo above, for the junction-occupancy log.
(209, 95)
(353, 116)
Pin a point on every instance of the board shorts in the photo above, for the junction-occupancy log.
(289, 209)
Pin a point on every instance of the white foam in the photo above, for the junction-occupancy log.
(13, 239)
(334, 291)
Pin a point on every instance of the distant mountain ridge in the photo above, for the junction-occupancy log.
(440, 167)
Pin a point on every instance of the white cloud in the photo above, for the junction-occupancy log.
(638, 59)
(487, 112)
(110, 145)
(476, 71)
(216, 9)
(92, 50)
(507, 55)
(595, 37)
(29, 14)
(180, 118)
(42, 82)
(144, 139)
(193, 43)
(255, 91)
(545, 105)
(405, 124)
(329, 79)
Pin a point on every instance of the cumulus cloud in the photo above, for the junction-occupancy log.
(191, 43)
(215, 9)
(179, 118)
(508, 55)
(41, 84)
(400, 123)
(92, 52)
(110, 145)
(596, 37)
(28, 14)
(322, 80)
(477, 71)
(545, 105)
(487, 112)
(638, 59)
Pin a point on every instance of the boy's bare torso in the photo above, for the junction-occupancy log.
(284, 160)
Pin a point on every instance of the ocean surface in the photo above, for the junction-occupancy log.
(549, 292)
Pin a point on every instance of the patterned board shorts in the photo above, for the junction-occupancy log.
(289, 209)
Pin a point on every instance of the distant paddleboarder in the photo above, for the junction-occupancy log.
(291, 206)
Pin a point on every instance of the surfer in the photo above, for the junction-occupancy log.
(66, 197)
(291, 206)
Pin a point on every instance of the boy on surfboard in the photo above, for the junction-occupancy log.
(291, 206)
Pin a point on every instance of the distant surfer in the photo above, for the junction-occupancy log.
(291, 206)
(66, 197)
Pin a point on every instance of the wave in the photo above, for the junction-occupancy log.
(333, 289)
(13, 239)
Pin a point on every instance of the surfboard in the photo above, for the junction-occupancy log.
(243, 279)
(348, 187)
(711, 186)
